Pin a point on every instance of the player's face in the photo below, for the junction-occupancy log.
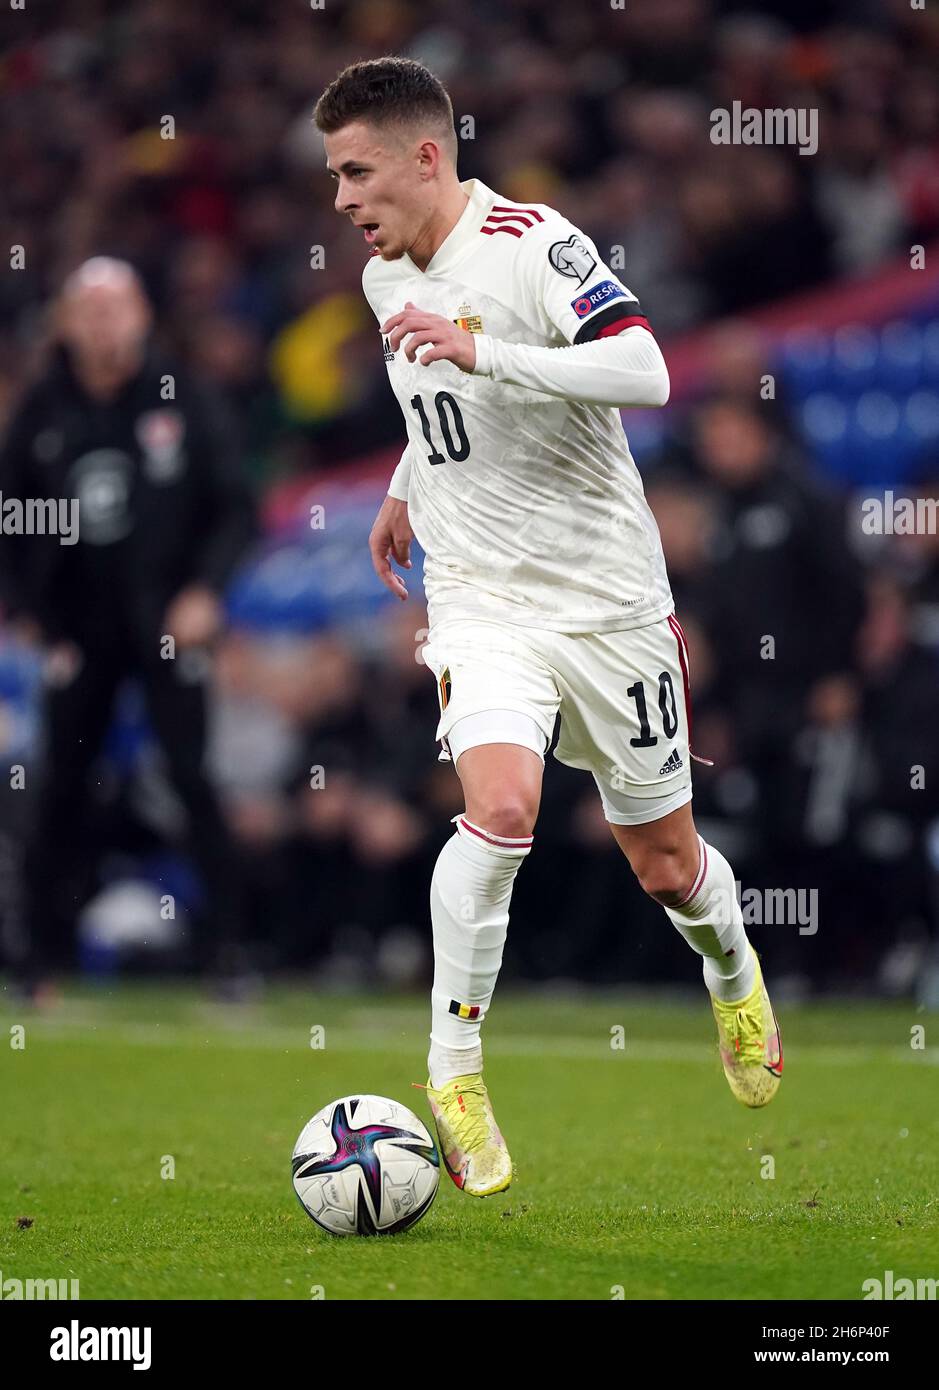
(377, 184)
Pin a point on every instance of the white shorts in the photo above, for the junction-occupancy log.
(623, 698)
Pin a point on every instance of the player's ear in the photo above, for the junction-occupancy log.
(429, 158)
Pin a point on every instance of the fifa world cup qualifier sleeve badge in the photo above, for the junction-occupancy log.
(572, 258)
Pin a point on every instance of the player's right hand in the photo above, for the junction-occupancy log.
(391, 538)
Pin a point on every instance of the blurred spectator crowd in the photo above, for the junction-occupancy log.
(604, 114)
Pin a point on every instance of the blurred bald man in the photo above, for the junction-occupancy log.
(121, 440)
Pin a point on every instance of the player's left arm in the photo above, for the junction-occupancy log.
(612, 358)
(567, 289)
(623, 369)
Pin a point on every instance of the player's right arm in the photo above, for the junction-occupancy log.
(391, 535)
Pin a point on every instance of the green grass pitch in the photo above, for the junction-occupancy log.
(637, 1174)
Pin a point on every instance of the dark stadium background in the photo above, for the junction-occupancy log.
(751, 262)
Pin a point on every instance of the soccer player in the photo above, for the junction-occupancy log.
(511, 346)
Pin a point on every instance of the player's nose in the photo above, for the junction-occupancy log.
(343, 202)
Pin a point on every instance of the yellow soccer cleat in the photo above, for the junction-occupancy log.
(750, 1044)
(473, 1150)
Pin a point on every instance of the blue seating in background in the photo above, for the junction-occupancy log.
(307, 579)
(866, 400)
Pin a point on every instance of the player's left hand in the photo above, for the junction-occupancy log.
(450, 344)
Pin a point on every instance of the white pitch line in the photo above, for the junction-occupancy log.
(337, 1040)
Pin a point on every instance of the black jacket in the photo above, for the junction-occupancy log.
(784, 570)
(162, 502)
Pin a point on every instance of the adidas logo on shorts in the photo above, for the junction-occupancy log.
(671, 764)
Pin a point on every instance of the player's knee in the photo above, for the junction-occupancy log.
(508, 815)
(664, 876)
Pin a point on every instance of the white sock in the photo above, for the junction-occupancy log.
(470, 893)
(711, 922)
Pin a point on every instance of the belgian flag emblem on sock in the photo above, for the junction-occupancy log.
(444, 687)
(468, 1011)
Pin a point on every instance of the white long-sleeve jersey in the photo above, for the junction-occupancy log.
(518, 477)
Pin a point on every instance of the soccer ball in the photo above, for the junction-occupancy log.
(365, 1165)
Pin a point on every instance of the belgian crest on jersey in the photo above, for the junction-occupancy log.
(467, 320)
